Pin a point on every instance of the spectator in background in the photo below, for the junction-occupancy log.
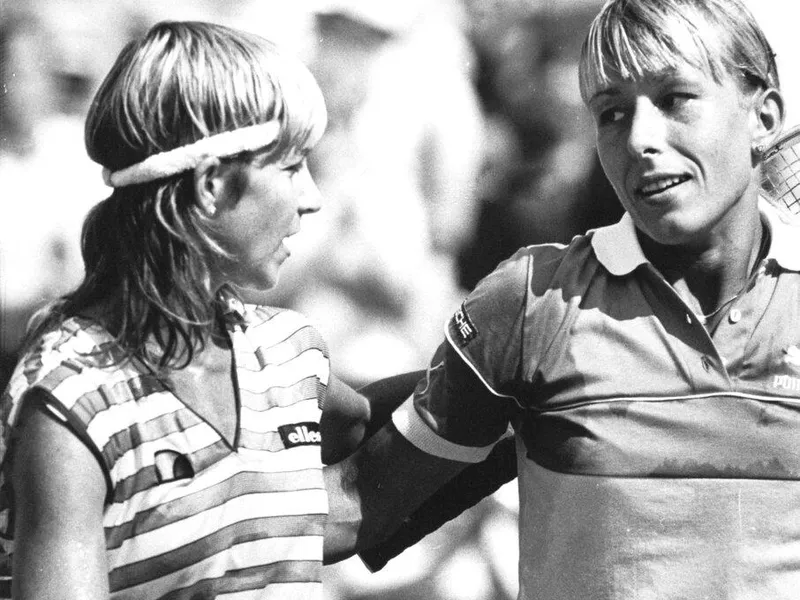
(543, 182)
(397, 169)
(52, 58)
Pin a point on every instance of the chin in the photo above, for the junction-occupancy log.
(255, 292)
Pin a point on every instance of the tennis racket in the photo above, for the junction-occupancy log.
(780, 174)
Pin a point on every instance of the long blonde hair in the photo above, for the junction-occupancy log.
(146, 248)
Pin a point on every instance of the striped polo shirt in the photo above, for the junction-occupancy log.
(656, 460)
(190, 515)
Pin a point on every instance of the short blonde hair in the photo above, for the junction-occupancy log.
(631, 38)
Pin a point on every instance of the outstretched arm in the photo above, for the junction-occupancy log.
(465, 490)
(451, 423)
(350, 417)
(373, 491)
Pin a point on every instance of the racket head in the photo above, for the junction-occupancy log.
(780, 174)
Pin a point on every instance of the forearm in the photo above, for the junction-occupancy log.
(373, 491)
(350, 417)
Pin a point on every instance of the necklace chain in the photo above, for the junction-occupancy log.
(762, 247)
(705, 316)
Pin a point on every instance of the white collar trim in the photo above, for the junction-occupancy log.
(618, 250)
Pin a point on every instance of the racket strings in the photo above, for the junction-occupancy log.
(781, 174)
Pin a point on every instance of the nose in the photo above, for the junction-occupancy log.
(647, 128)
(310, 198)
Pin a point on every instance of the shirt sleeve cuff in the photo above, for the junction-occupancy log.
(418, 432)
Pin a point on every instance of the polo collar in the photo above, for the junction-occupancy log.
(617, 247)
(618, 250)
(785, 246)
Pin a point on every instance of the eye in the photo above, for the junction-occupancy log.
(610, 115)
(673, 101)
(295, 167)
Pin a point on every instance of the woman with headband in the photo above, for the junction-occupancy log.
(164, 434)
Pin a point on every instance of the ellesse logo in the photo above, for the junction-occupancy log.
(300, 434)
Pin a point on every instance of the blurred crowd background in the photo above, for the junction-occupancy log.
(456, 135)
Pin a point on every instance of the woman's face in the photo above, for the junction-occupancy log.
(677, 147)
(260, 209)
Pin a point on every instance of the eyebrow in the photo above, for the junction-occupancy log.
(608, 91)
(658, 78)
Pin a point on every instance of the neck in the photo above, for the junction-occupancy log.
(713, 273)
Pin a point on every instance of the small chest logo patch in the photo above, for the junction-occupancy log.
(300, 434)
(791, 356)
(463, 327)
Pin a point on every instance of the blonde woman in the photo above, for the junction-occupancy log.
(164, 434)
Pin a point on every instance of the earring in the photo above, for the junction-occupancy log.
(759, 148)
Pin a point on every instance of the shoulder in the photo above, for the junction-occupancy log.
(75, 348)
(506, 323)
(271, 325)
(81, 372)
(521, 282)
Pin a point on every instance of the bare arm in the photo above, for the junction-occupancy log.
(59, 492)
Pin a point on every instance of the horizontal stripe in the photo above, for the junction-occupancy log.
(672, 398)
(417, 431)
(230, 467)
(49, 382)
(183, 499)
(126, 401)
(296, 580)
(301, 340)
(304, 339)
(703, 436)
(270, 441)
(243, 509)
(146, 477)
(69, 389)
(127, 440)
(238, 549)
(270, 328)
(284, 375)
(304, 389)
(271, 419)
(299, 458)
(177, 534)
(188, 441)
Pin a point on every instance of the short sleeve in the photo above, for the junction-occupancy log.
(487, 329)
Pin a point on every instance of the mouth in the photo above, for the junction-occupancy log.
(290, 241)
(658, 185)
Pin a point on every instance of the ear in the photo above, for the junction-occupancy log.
(208, 185)
(768, 117)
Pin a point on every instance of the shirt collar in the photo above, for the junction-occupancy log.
(785, 246)
(618, 249)
(233, 310)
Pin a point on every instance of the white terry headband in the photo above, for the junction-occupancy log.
(188, 157)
